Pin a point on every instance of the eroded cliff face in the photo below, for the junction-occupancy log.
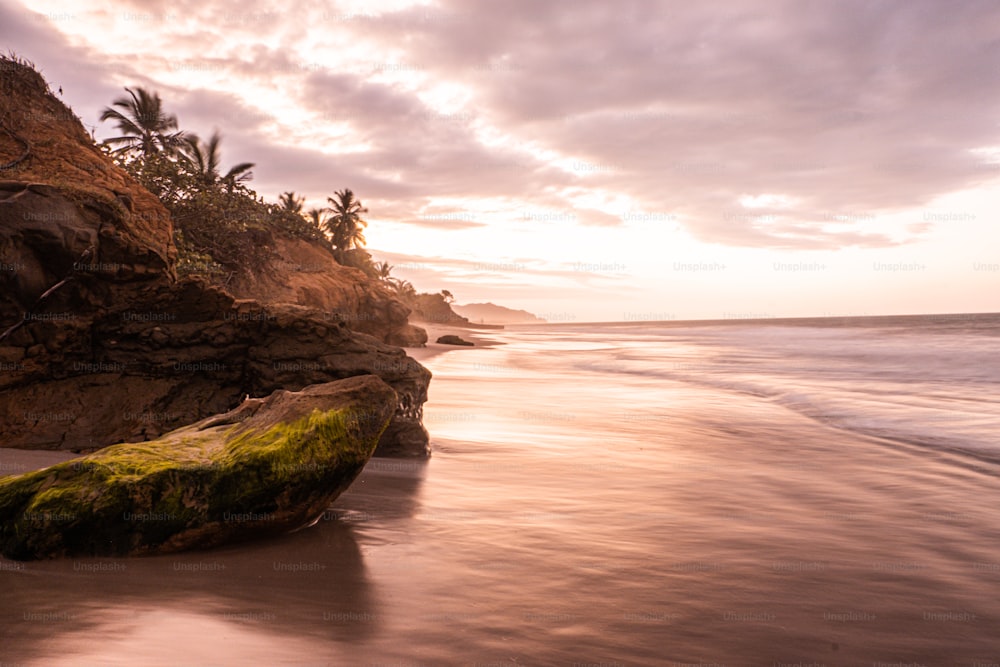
(99, 340)
(134, 228)
(306, 274)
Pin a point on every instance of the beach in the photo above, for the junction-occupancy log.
(481, 338)
(643, 494)
(716, 288)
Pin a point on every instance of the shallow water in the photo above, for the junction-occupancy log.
(738, 494)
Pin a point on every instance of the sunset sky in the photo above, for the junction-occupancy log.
(593, 160)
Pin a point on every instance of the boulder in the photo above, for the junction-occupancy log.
(452, 339)
(269, 466)
(409, 335)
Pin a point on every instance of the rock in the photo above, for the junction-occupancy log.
(267, 467)
(305, 273)
(159, 356)
(408, 336)
(63, 156)
(120, 349)
(452, 339)
(434, 309)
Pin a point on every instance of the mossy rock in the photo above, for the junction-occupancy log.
(270, 466)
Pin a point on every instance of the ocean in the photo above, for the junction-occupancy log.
(776, 492)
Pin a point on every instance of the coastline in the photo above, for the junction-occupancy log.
(479, 337)
(741, 522)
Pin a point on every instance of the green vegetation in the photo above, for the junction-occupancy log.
(382, 270)
(289, 202)
(138, 497)
(344, 223)
(403, 289)
(428, 306)
(222, 227)
(202, 160)
(144, 125)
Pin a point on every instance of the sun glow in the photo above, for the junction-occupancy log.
(460, 166)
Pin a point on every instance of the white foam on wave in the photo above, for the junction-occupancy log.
(925, 383)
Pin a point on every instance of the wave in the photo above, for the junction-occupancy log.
(934, 386)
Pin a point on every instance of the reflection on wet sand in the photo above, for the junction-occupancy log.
(308, 587)
(599, 505)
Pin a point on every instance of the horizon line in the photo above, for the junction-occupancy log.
(753, 319)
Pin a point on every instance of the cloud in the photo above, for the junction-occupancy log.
(79, 71)
(523, 277)
(584, 108)
(854, 106)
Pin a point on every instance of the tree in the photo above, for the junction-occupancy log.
(203, 159)
(317, 217)
(403, 289)
(289, 202)
(382, 270)
(144, 125)
(448, 296)
(345, 224)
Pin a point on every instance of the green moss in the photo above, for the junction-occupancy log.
(305, 439)
(131, 498)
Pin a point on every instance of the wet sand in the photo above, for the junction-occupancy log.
(483, 338)
(568, 520)
(18, 461)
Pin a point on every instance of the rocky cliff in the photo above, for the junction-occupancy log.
(304, 273)
(433, 309)
(100, 342)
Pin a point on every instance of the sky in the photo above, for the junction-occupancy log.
(590, 160)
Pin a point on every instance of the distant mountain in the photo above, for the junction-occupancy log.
(490, 313)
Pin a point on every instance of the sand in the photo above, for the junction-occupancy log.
(18, 461)
(481, 338)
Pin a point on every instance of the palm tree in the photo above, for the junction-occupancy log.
(403, 289)
(204, 159)
(145, 127)
(382, 270)
(317, 217)
(345, 224)
(289, 202)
